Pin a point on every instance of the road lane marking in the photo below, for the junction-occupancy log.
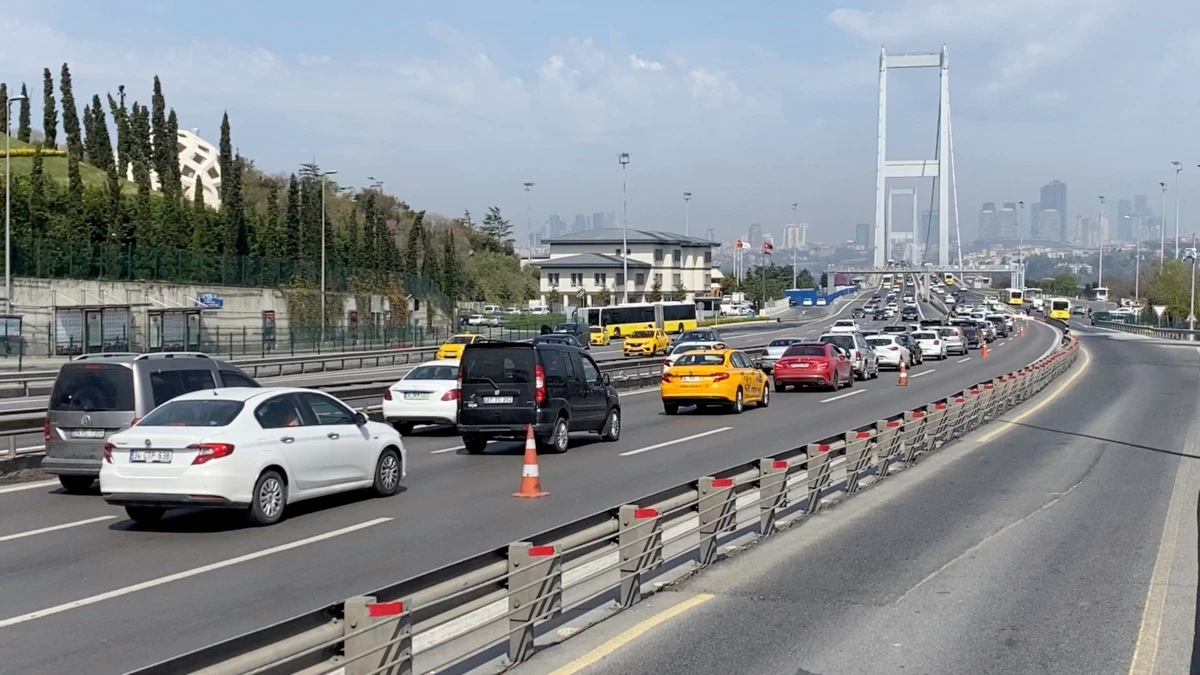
(195, 571)
(54, 528)
(924, 373)
(685, 439)
(846, 395)
(1005, 425)
(444, 450)
(606, 649)
(963, 360)
(20, 487)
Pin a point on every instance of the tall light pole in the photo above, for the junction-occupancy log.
(324, 189)
(1178, 168)
(529, 217)
(1020, 246)
(794, 205)
(1162, 227)
(1137, 258)
(1100, 227)
(623, 158)
(687, 214)
(8, 283)
(1192, 311)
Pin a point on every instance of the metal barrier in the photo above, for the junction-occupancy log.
(1151, 331)
(550, 585)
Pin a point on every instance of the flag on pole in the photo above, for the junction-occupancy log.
(738, 244)
(768, 247)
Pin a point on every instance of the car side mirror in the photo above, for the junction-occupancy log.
(360, 418)
(758, 364)
(606, 379)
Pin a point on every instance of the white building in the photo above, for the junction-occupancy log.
(583, 264)
(197, 157)
(795, 236)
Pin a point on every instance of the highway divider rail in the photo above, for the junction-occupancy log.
(498, 607)
(1150, 331)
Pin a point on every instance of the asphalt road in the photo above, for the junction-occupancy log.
(1032, 550)
(86, 590)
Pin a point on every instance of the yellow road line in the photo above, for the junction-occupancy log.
(628, 636)
(1005, 425)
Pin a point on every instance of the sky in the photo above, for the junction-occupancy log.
(751, 107)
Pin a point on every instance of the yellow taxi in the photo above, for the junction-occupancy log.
(646, 342)
(724, 377)
(453, 348)
(598, 337)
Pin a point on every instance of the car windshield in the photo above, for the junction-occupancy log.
(701, 360)
(442, 372)
(947, 332)
(895, 329)
(810, 349)
(687, 347)
(844, 323)
(784, 342)
(205, 412)
(642, 334)
(565, 328)
(92, 387)
(461, 340)
(695, 335)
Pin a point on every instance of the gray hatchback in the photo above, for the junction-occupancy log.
(97, 395)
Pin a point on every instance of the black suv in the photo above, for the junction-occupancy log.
(580, 331)
(970, 331)
(505, 386)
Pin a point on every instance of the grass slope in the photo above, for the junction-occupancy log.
(56, 169)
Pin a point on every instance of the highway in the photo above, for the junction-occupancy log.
(73, 566)
(1062, 543)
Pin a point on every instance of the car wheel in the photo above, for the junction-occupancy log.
(559, 439)
(780, 387)
(670, 408)
(834, 382)
(766, 398)
(849, 381)
(268, 500)
(612, 428)
(77, 484)
(405, 428)
(475, 444)
(387, 473)
(739, 403)
(145, 515)
(875, 373)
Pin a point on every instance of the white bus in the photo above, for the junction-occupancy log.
(1100, 294)
(1035, 298)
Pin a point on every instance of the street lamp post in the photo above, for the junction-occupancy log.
(1100, 227)
(1162, 227)
(794, 272)
(1192, 310)
(1137, 258)
(1020, 246)
(623, 158)
(324, 189)
(687, 214)
(8, 284)
(1178, 168)
(529, 217)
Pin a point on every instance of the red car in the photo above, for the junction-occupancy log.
(809, 363)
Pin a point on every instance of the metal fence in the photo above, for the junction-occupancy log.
(503, 604)
(1152, 331)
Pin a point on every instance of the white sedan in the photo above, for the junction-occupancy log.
(844, 326)
(685, 347)
(931, 344)
(256, 450)
(889, 352)
(427, 394)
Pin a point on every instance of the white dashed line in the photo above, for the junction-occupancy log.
(685, 439)
(846, 395)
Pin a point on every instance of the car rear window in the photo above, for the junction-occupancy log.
(498, 365)
(844, 341)
(167, 384)
(783, 342)
(194, 413)
(925, 335)
(688, 348)
(844, 322)
(895, 329)
(92, 387)
(432, 373)
(805, 350)
(642, 334)
(701, 360)
(460, 340)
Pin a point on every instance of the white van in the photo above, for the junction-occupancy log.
(491, 309)
(539, 310)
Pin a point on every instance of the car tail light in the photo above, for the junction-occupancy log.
(108, 448)
(460, 376)
(893, 348)
(451, 395)
(135, 421)
(720, 376)
(936, 343)
(210, 451)
(387, 394)
(539, 377)
(46, 429)
(668, 377)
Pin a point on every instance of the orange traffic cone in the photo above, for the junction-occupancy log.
(983, 351)
(531, 484)
(903, 381)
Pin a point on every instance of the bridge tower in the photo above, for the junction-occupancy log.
(938, 167)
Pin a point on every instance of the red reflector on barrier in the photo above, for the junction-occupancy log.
(864, 434)
(893, 423)
(779, 464)
(540, 551)
(989, 385)
(385, 609)
(645, 513)
(939, 406)
(822, 448)
(722, 482)
(918, 414)
(959, 399)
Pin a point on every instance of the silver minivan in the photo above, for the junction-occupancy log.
(97, 395)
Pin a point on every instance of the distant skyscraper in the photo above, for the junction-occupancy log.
(580, 223)
(989, 221)
(1141, 204)
(1054, 196)
(598, 221)
(795, 236)
(754, 236)
(710, 234)
(1035, 221)
(1049, 224)
(1008, 221)
(555, 226)
(862, 235)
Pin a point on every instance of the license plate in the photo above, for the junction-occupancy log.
(802, 365)
(415, 396)
(87, 433)
(150, 456)
(497, 400)
(692, 378)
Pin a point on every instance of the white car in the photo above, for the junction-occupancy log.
(477, 320)
(775, 350)
(427, 394)
(844, 326)
(807, 302)
(954, 339)
(821, 302)
(889, 351)
(256, 450)
(685, 347)
(931, 344)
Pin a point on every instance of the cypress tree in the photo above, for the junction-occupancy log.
(77, 223)
(88, 132)
(198, 195)
(451, 276)
(116, 235)
(120, 115)
(353, 242)
(49, 111)
(202, 239)
(225, 154)
(101, 148)
(412, 252)
(290, 236)
(269, 233)
(238, 210)
(4, 107)
(24, 132)
(70, 114)
(163, 143)
(174, 175)
(141, 149)
(38, 218)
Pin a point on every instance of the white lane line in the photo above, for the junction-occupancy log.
(846, 395)
(925, 372)
(444, 450)
(54, 528)
(195, 571)
(20, 487)
(963, 360)
(685, 439)
(999, 345)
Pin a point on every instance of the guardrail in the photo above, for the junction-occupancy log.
(501, 604)
(1152, 331)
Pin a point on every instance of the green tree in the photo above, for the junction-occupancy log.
(451, 280)
(237, 236)
(290, 237)
(24, 131)
(98, 146)
(39, 216)
(163, 144)
(172, 178)
(49, 110)
(496, 227)
(116, 234)
(655, 294)
(604, 297)
(1170, 285)
(203, 239)
(268, 239)
(125, 144)
(679, 294)
(70, 115)
(198, 195)
(4, 107)
(412, 253)
(74, 209)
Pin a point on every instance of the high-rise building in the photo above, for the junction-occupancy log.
(598, 221)
(1035, 221)
(579, 224)
(1124, 220)
(710, 234)
(1054, 196)
(754, 236)
(555, 226)
(1049, 223)
(862, 235)
(1126, 226)
(795, 236)
(1007, 223)
(1141, 204)
(989, 221)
